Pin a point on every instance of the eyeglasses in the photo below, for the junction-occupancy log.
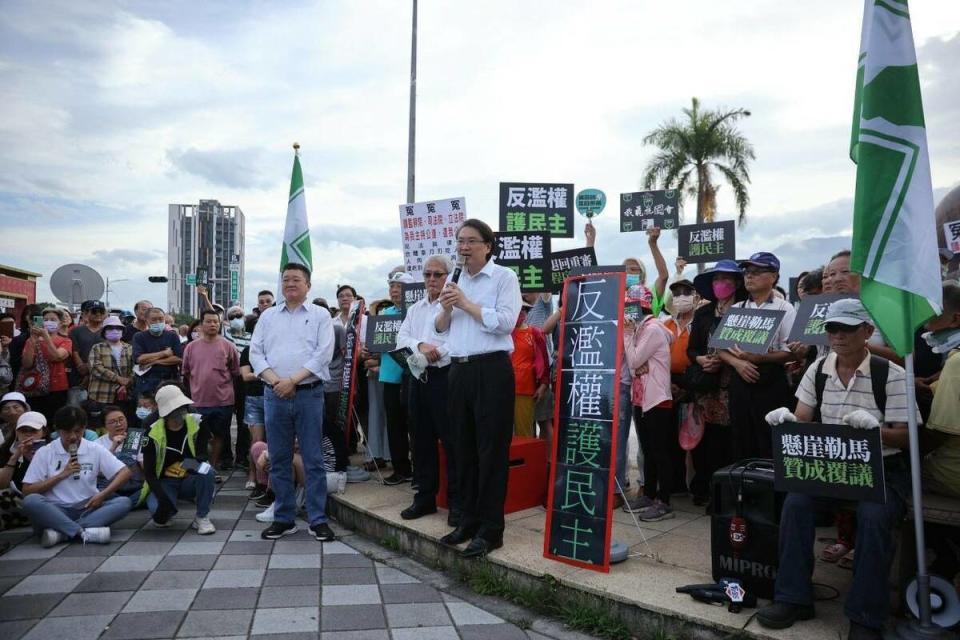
(234, 317)
(839, 327)
(116, 422)
(434, 274)
(469, 241)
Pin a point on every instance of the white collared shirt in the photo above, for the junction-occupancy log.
(418, 327)
(287, 341)
(49, 460)
(496, 290)
(786, 325)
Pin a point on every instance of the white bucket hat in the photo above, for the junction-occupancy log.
(169, 398)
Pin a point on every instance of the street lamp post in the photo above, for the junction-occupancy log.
(107, 291)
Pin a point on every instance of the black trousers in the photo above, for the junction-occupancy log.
(481, 396)
(333, 430)
(431, 423)
(710, 454)
(658, 435)
(749, 405)
(394, 406)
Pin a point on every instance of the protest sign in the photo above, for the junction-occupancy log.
(428, 228)
(753, 330)
(828, 460)
(528, 254)
(413, 292)
(351, 360)
(808, 327)
(951, 233)
(600, 268)
(632, 310)
(644, 210)
(708, 242)
(585, 414)
(561, 262)
(590, 202)
(133, 442)
(526, 206)
(382, 333)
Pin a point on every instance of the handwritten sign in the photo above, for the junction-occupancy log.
(753, 330)
(528, 254)
(413, 292)
(809, 327)
(133, 442)
(582, 474)
(708, 242)
(951, 233)
(561, 262)
(348, 378)
(526, 206)
(382, 333)
(644, 210)
(830, 460)
(428, 228)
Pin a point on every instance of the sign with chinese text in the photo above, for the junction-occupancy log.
(348, 378)
(7, 303)
(201, 276)
(585, 414)
(753, 330)
(644, 210)
(951, 233)
(191, 279)
(590, 202)
(413, 292)
(528, 254)
(632, 310)
(808, 327)
(600, 268)
(537, 207)
(561, 262)
(708, 242)
(235, 280)
(829, 460)
(134, 441)
(427, 228)
(382, 333)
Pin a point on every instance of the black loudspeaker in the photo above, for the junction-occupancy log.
(745, 525)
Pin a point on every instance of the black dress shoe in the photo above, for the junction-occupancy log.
(481, 546)
(418, 510)
(453, 519)
(458, 536)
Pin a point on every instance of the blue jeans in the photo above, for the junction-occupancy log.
(868, 602)
(300, 417)
(197, 486)
(71, 519)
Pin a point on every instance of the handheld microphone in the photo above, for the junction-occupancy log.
(73, 458)
(457, 270)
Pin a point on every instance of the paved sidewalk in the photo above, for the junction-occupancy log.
(173, 583)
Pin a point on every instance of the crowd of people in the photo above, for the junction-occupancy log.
(77, 386)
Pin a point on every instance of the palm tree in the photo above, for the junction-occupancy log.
(691, 150)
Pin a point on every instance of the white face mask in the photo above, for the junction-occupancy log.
(683, 304)
(237, 324)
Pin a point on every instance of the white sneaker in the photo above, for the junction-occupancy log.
(51, 537)
(267, 514)
(336, 482)
(96, 535)
(203, 526)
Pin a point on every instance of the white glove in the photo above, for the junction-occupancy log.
(861, 419)
(779, 416)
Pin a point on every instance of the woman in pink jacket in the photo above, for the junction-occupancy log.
(646, 346)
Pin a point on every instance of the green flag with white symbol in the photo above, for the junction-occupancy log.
(296, 234)
(894, 231)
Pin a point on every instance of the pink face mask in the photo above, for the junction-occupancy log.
(723, 289)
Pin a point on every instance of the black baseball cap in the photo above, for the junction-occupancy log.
(92, 305)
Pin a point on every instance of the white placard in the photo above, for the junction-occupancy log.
(951, 233)
(428, 228)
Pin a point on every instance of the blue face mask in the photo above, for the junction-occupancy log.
(156, 328)
(633, 279)
(143, 412)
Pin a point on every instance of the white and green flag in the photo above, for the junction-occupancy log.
(894, 232)
(296, 234)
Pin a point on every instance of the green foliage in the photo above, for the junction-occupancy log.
(392, 543)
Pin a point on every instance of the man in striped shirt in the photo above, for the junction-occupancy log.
(846, 393)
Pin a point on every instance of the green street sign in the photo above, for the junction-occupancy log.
(192, 279)
(234, 285)
(590, 202)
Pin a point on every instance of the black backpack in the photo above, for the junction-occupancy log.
(879, 372)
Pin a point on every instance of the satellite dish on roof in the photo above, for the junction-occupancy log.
(74, 283)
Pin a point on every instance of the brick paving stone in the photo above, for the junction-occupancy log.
(73, 627)
(426, 633)
(88, 604)
(174, 580)
(352, 617)
(156, 548)
(233, 578)
(78, 564)
(261, 547)
(242, 562)
(210, 599)
(28, 551)
(8, 581)
(417, 615)
(128, 581)
(129, 563)
(24, 607)
(464, 613)
(344, 561)
(492, 632)
(295, 561)
(160, 600)
(194, 546)
(286, 620)
(297, 546)
(365, 634)
(275, 597)
(187, 563)
(55, 583)
(351, 594)
(15, 629)
(215, 623)
(407, 593)
(389, 575)
(349, 576)
(77, 549)
(143, 626)
(245, 535)
(337, 547)
(156, 535)
(20, 567)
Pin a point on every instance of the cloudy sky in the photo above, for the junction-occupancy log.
(113, 110)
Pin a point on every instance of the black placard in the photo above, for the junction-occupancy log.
(133, 442)
(413, 292)
(632, 311)
(643, 210)
(808, 327)
(528, 254)
(582, 474)
(793, 293)
(537, 206)
(708, 242)
(603, 268)
(753, 330)
(382, 333)
(829, 460)
(561, 262)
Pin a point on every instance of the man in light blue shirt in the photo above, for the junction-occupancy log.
(290, 351)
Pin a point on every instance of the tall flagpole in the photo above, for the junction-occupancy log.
(411, 143)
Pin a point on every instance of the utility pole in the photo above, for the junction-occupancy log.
(411, 143)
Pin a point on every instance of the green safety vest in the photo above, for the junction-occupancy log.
(158, 434)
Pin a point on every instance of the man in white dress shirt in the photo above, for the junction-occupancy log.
(477, 317)
(290, 351)
(429, 398)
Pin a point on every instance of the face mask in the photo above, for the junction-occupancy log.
(683, 304)
(51, 325)
(177, 414)
(143, 412)
(195, 335)
(943, 341)
(156, 328)
(633, 279)
(113, 335)
(723, 289)
(237, 324)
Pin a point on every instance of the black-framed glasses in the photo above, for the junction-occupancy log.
(116, 422)
(470, 241)
(434, 274)
(839, 327)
